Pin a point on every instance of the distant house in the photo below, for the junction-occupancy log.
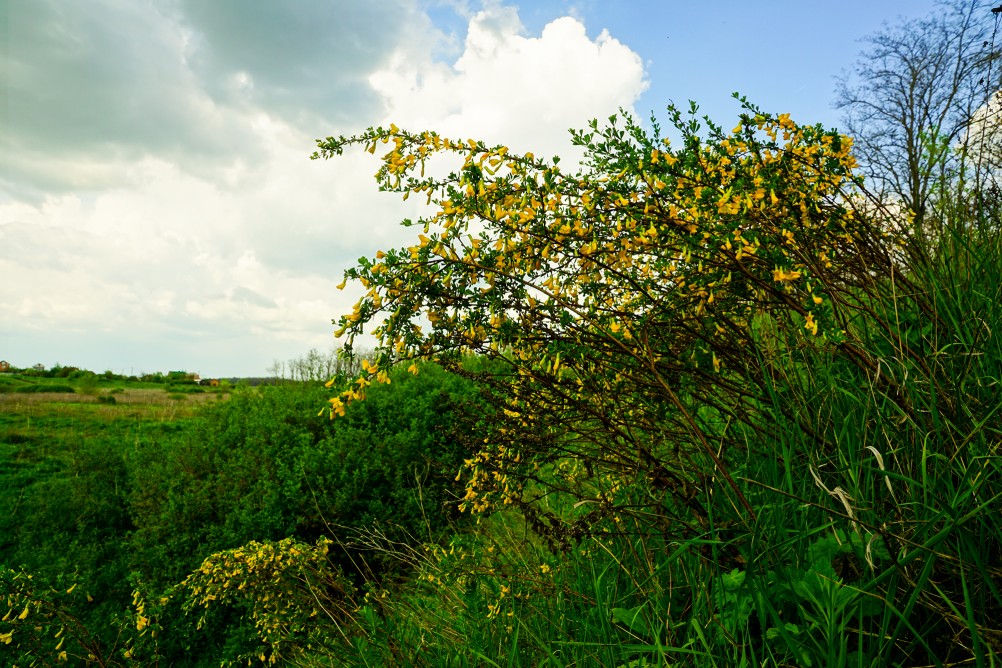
(4, 366)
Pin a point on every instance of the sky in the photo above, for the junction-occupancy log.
(158, 207)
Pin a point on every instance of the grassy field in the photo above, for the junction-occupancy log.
(104, 503)
(64, 481)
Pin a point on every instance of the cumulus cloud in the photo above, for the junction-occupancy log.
(157, 205)
(509, 87)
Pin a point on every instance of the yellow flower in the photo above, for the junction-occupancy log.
(810, 325)
(781, 276)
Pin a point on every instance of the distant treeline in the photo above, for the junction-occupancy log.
(314, 366)
(76, 373)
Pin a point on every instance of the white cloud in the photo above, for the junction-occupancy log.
(508, 87)
(133, 252)
(983, 139)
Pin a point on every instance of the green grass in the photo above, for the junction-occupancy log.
(64, 488)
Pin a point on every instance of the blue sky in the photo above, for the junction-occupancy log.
(158, 210)
(783, 55)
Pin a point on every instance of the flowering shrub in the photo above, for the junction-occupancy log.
(634, 304)
(295, 598)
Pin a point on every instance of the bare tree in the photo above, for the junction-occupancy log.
(917, 104)
(317, 366)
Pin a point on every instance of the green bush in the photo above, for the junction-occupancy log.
(185, 388)
(42, 388)
(265, 466)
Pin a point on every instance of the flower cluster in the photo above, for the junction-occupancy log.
(282, 581)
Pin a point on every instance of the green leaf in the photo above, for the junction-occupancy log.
(632, 619)
(733, 580)
(774, 632)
